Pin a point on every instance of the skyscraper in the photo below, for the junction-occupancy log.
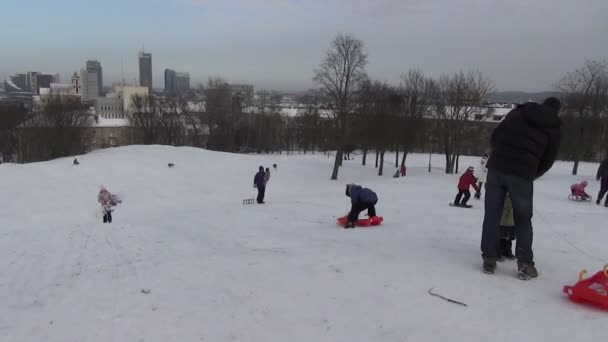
(182, 83)
(170, 82)
(95, 66)
(145, 70)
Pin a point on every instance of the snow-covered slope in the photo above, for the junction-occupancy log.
(217, 270)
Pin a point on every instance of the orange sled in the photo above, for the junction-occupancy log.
(593, 289)
(368, 222)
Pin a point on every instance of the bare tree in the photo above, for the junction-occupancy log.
(459, 97)
(11, 116)
(418, 94)
(586, 100)
(339, 75)
(144, 115)
(58, 128)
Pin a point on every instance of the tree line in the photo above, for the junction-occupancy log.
(348, 111)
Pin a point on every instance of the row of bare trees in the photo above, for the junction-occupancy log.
(585, 96)
(378, 107)
(376, 116)
(56, 128)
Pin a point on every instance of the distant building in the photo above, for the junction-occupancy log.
(76, 84)
(32, 82)
(170, 82)
(126, 93)
(145, 70)
(96, 67)
(244, 92)
(176, 83)
(16, 83)
(44, 80)
(91, 80)
(110, 107)
(182, 84)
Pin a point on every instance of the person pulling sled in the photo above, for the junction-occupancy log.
(466, 181)
(108, 201)
(259, 182)
(361, 199)
(578, 193)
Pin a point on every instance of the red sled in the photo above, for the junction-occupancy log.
(593, 290)
(368, 222)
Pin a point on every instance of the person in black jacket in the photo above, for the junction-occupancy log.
(602, 174)
(524, 147)
(361, 199)
(260, 183)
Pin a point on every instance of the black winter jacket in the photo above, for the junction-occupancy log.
(602, 171)
(526, 142)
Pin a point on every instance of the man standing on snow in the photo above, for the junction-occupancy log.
(602, 174)
(260, 183)
(524, 147)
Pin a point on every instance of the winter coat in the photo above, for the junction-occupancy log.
(466, 180)
(107, 199)
(507, 213)
(481, 172)
(267, 176)
(258, 180)
(360, 195)
(602, 171)
(578, 189)
(526, 142)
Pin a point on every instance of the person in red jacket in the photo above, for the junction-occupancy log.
(466, 181)
(578, 190)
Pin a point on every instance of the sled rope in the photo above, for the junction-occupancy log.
(445, 298)
(565, 239)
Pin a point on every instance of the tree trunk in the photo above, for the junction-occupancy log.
(364, 157)
(457, 163)
(381, 163)
(447, 162)
(377, 158)
(397, 157)
(337, 162)
(403, 157)
(575, 168)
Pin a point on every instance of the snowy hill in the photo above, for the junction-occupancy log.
(184, 260)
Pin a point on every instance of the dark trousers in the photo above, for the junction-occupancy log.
(478, 192)
(522, 192)
(603, 190)
(356, 209)
(107, 217)
(261, 193)
(467, 196)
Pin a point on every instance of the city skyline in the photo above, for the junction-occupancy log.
(277, 44)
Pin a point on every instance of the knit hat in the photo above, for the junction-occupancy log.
(471, 168)
(553, 103)
(348, 186)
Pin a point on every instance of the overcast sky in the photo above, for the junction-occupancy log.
(521, 44)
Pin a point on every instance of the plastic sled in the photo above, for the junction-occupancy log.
(366, 222)
(593, 290)
(579, 198)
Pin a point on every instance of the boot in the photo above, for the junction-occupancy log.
(505, 248)
(526, 270)
(489, 265)
(350, 225)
